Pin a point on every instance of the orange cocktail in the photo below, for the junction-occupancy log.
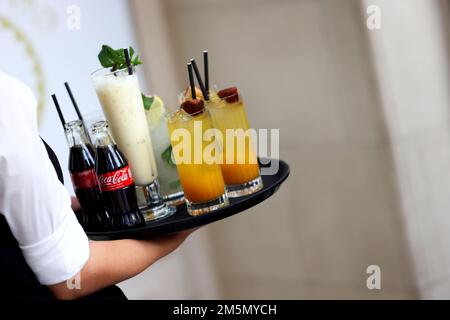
(200, 177)
(239, 161)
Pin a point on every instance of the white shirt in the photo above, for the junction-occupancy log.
(35, 204)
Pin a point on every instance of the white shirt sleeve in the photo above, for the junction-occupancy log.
(35, 204)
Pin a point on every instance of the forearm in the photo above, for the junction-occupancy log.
(111, 262)
(116, 261)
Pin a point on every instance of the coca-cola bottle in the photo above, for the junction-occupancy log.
(116, 182)
(93, 216)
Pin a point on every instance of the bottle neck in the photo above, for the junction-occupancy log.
(102, 137)
(75, 134)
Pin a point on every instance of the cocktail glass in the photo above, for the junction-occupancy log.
(168, 178)
(201, 178)
(239, 160)
(120, 96)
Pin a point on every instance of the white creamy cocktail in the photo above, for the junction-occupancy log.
(121, 100)
(120, 96)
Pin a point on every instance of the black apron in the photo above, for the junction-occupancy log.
(17, 280)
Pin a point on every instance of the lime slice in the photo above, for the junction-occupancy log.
(156, 112)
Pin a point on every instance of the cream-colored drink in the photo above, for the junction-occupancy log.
(121, 100)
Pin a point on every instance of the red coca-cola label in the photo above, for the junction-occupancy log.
(84, 179)
(118, 179)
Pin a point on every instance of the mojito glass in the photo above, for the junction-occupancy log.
(169, 181)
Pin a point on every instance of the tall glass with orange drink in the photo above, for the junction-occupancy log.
(200, 176)
(239, 160)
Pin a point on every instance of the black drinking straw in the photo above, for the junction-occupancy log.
(75, 105)
(191, 81)
(127, 59)
(58, 109)
(206, 69)
(199, 77)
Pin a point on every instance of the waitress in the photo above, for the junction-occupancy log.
(44, 252)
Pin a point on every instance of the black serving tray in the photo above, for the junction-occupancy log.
(181, 220)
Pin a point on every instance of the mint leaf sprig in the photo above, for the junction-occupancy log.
(148, 101)
(166, 155)
(115, 59)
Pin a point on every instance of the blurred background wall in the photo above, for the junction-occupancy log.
(363, 119)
